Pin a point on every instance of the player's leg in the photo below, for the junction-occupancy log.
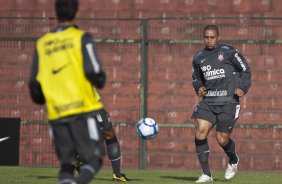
(65, 151)
(202, 118)
(228, 145)
(112, 146)
(114, 154)
(88, 145)
(203, 127)
(225, 126)
(113, 150)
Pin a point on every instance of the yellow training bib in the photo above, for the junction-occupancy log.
(66, 89)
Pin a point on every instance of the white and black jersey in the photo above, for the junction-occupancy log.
(220, 71)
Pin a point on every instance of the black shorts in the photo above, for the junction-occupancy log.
(223, 116)
(104, 121)
(79, 135)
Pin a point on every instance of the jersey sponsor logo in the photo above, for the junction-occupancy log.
(73, 105)
(241, 62)
(206, 68)
(57, 47)
(55, 71)
(217, 93)
(210, 74)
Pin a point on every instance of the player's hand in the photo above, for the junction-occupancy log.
(202, 91)
(239, 92)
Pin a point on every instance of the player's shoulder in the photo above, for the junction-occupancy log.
(199, 54)
(227, 47)
(87, 37)
(87, 34)
(76, 30)
(44, 38)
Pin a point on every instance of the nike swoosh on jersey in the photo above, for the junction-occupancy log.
(4, 138)
(55, 71)
(203, 60)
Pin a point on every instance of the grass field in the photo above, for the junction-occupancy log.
(28, 175)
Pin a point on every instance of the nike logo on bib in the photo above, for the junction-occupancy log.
(55, 71)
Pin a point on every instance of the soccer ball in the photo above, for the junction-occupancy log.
(147, 128)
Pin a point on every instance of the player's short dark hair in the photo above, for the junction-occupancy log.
(211, 27)
(66, 9)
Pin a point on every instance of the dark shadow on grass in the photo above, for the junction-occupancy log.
(222, 180)
(46, 177)
(41, 177)
(103, 179)
(94, 179)
(183, 178)
(186, 178)
(180, 178)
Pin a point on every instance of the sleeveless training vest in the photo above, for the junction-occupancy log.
(61, 75)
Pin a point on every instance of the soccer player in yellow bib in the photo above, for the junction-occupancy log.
(64, 74)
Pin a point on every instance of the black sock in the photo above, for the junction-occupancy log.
(113, 151)
(229, 149)
(202, 150)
